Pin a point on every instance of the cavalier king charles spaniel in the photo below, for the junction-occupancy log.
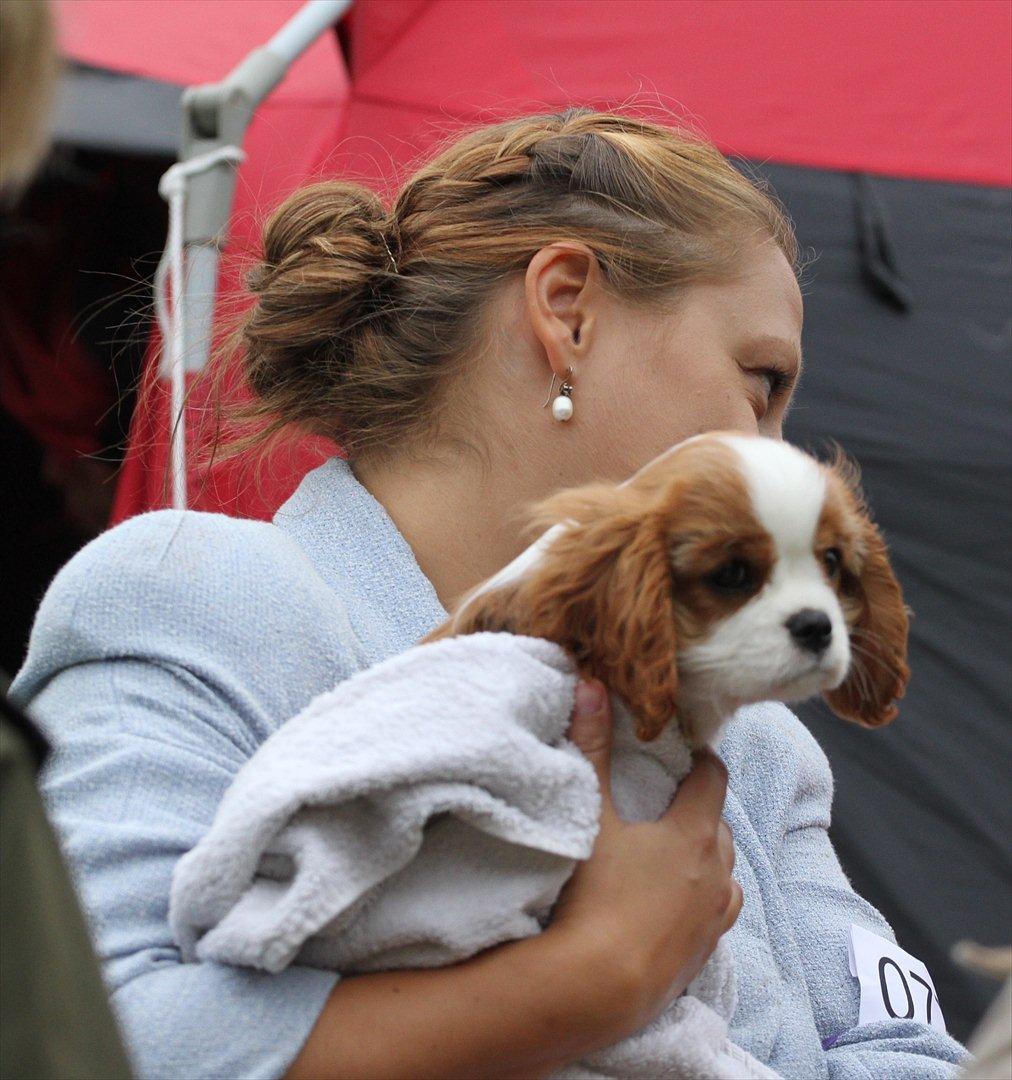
(730, 570)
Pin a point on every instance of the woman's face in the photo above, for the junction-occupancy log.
(725, 356)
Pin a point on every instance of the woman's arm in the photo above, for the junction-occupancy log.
(133, 785)
(523, 1009)
(624, 942)
(162, 657)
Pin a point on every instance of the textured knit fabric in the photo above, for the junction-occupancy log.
(171, 647)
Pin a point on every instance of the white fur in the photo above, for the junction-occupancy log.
(751, 654)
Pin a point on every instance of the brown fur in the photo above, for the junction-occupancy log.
(603, 592)
(872, 603)
(605, 589)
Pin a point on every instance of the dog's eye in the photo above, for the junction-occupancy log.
(733, 576)
(832, 559)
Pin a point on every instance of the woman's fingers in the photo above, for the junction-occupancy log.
(699, 799)
(725, 844)
(591, 730)
(697, 807)
(734, 906)
(655, 896)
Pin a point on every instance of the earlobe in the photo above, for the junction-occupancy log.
(878, 673)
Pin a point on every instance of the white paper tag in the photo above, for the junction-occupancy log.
(894, 984)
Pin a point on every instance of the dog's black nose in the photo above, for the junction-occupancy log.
(811, 629)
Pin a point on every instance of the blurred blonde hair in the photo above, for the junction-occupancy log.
(27, 79)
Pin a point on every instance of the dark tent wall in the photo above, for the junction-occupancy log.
(922, 398)
(77, 254)
(121, 114)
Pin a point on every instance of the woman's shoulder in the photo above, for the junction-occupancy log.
(166, 540)
(171, 557)
(182, 587)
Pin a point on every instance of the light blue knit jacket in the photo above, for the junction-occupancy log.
(171, 647)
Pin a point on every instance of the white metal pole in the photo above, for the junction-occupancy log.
(215, 120)
(177, 360)
(304, 27)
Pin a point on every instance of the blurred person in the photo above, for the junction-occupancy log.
(991, 1042)
(633, 262)
(56, 1020)
(28, 69)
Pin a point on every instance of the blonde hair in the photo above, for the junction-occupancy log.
(27, 78)
(363, 315)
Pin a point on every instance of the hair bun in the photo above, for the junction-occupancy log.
(334, 219)
(323, 256)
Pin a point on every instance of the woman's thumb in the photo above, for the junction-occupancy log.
(591, 727)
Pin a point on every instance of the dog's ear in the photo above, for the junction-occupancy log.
(878, 624)
(634, 641)
(604, 592)
(601, 590)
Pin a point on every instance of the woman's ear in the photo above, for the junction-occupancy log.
(878, 637)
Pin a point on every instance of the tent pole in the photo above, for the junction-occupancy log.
(215, 118)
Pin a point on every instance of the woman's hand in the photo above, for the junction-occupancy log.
(634, 924)
(654, 897)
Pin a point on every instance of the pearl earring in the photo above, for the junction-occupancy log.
(562, 406)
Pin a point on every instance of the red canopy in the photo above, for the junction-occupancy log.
(888, 86)
(885, 86)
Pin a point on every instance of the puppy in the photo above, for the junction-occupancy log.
(731, 570)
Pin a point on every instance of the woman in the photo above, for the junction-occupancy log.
(631, 263)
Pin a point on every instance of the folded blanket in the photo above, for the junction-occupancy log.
(424, 810)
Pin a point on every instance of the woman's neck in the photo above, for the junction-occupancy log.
(463, 518)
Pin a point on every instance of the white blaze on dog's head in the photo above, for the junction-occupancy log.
(789, 639)
(810, 602)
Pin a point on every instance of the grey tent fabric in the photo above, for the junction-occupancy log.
(922, 398)
(124, 114)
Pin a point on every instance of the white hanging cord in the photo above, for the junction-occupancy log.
(170, 309)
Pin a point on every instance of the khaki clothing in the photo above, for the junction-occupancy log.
(56, 1017)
